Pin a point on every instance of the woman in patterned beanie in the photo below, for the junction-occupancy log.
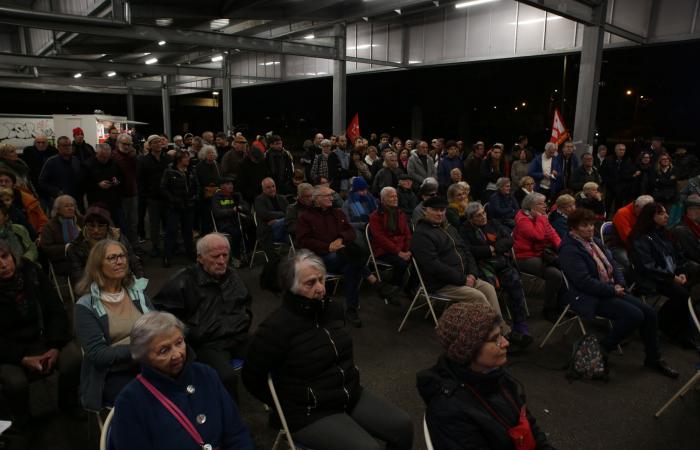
(471, 401)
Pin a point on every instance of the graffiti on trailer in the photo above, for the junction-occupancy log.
(21, 131)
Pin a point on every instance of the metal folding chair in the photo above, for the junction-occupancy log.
(532, 280)
(60, 286)
(277, 245)
(426, 434)
(429, 298)
(104, 435)
(694, 379)
(284, 433)
(606, 229)
(372, 259)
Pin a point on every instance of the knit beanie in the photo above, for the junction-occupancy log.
(359, 184)
(464, 328)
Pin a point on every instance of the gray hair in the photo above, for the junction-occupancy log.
(317, 192)
(206, 149)
(60, 201)
(304, 187)
(203, 244)
(550, 146)
(502, 182)
(386, 190)
(429, 181)
(289, 270)
(124, 136)
(591, 185)
(103, 146)
(530, 199)
(472, 209)
(326, 142)
(147, 327)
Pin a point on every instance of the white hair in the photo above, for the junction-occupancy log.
(147, 327)
(204, 243)
(386, 190)
(206, 149)
(530, 199)
(289, 273)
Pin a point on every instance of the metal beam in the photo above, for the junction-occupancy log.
(339, 83)
(130, 105)
(97, 82)
(621, 32)
(375, 62)
(123, 30)
(78, 65)
(36, 85)
(226, 97)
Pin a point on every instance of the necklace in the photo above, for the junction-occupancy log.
(113, 297)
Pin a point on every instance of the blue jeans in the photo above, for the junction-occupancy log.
(352, 275)
(628, 313)
(183, 218)
(279, 230)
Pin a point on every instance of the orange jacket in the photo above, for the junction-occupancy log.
(35, 215)
(624, 219)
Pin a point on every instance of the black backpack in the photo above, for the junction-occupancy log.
(588, 361)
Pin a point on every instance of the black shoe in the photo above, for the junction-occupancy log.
(166, 263)
(353, 318)
(662, 367)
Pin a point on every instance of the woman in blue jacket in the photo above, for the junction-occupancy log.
(597, 288)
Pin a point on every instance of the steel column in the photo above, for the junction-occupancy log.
(130, 104)
(166, 104)
(339, 82)
(226, 101)
(588, 86)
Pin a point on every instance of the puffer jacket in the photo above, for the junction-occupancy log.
(305, 347)
(442, 256)
(457, 420)
(216, 312)
(532, 236)
(179, 189)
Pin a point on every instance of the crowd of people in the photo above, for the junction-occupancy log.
(470, 221)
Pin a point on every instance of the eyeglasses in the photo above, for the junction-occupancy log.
(116, 259)
(499, 340)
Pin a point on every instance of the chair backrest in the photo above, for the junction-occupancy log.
(213, 221)
(280, 413)
(606, 230)
(692, 314)
(426, 434)
(104, 436)
(255, 217)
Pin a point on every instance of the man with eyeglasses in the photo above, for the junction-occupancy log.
(62, 175)
(36, 155)
(97, 226)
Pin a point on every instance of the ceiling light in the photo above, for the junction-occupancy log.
(217, 58)
(309, 36)
(472, 3)
(164, 22)
(146, 53)
(111, 74)
(162, 43)
(540, 20)
(78, 75)
(218, 24)
(215, 93)
(398, 11)
(152, 61)
(524, 103)
(628, 92)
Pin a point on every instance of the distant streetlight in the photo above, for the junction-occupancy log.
(495, 107)
(516, 108)
(642, 97)
(523, 104)
(629, 92)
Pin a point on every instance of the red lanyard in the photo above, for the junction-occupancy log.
(174, 410)
(490, 409)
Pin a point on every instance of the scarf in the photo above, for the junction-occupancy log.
(392, 219)
(694, 227)
(605, 269)
(361, 206)
(69, 229)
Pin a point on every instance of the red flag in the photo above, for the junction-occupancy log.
(353, 131)
(559, 131)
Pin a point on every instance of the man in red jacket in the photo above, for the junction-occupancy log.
(390, 236)
(327, 232)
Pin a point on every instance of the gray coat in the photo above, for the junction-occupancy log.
(416, 170)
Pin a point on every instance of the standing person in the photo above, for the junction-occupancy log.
(309, 354)
(208, 174)
(251, 173)
(112, 135)
(600, 156)
(35, 156)
(180, 189)
(221, 145)
(149, 175)
(280, 165)
(586, 173)
(617, 172)
(472, 169)
(103, 183)
(62, 174)
(643, 176)
(320, 168)
(231, 161)
(9, 160)
(546, 169)
(342, 162)
(125, 158)
(664, 181)
(493, 167)
(81, 149)
(446, 164)
(519, 166)
(569, 164)
(471, 401)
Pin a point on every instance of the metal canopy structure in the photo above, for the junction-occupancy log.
(173, 47)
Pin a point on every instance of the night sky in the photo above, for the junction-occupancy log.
(457, 101)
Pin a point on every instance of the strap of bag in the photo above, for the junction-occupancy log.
(174, 410)
(490, 409)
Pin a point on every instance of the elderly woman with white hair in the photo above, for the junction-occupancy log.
(208, 173)
(306, 348)
(592, 198)
(65, 225)
(536, 243)
(174, 403)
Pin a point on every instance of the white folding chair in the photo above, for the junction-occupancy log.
(284, 433)
(372, 259)
(60, 286)
(694, 379)
(426, 434)
(104, 435)
(429, 298)
(213, 221)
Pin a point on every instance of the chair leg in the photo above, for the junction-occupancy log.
(554, 327)
(680, 393)
(277, 440)
(410, 309)
(252, 255)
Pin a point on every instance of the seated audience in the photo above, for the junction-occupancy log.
(502, 206)
(520, 165)
(447, 266)
(388, 175)
(458, 199)
(490, 243)
(326, 231)
(623, 221)
(7, 197)
(390, 235)
(17, 236)
(359, 204)
(420, 164)
(98, 226)
(687, 232)
(557, 217)
(214, 303)
(597, 288)
(233, 218)
(471, 401)
(111, 301)
(192, 391)
(428, 189)
(309, 354)
(270, 209)
(25, 202)
(527, 186)
(33, 338)
(535, 243)
(10, 161)
(358, 166)
(592, 199)
(407, 198)
(303, 203)
(65, 225)
(663, 270)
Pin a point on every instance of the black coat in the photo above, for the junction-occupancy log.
(180, 189)
(83, 151)
(250, 176)
(581, 177)
(304, 345)
(281, 168)
(96, 172)
(649, 253)
(149, 173)
(442, 256)
(457, 420)
(217, 313)
(617, 176)
(687, 243)
(35, 160)
(663, 186)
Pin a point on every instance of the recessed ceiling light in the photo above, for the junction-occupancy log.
(164, 22)
(111, 74)
(215, 93)
(217, 58)
(309, 36)
(161, 43)
(472, 3)
(146, 53)
(152, 61)
(78, 75)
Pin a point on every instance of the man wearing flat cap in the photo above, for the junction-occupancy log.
(428, 189)
(407, 198)
(448, 268)
(231, 161)
(687, 231)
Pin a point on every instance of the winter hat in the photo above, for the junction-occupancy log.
(151, 138)
(464, 328)
(77, 131)
(97, 214)
(359, 184)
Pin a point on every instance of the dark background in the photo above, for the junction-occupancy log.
(457, 101)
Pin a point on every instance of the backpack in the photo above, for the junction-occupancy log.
(587, 361)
